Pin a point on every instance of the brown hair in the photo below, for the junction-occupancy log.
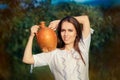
(78, 27)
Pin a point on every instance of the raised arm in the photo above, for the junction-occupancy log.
(86, 25)
(82, 19)
(28, 57)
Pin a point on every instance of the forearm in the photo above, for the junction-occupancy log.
(83, 20)
(86, 24)
(28, 57)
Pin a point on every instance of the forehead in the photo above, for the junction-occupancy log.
(67, 25)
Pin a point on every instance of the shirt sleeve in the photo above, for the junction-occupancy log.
(87, 40)
(85, 44)
(41, 59)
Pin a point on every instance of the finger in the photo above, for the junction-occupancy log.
(36, 26)
(34, 29)
(50, 25)
(53, 28)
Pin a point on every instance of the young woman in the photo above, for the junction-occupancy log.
(70, 60)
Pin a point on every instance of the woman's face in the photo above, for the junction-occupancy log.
(68, 33)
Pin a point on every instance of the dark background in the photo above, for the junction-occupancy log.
(17, 16)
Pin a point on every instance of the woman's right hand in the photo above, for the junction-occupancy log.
(34, 30)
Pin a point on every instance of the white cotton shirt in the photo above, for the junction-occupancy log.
(66, 65)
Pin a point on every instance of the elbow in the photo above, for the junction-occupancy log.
(86, 17)
(24, 61)
(28, 61)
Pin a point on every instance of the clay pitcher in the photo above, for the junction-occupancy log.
(46, 38)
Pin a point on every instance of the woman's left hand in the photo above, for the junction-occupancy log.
(54, 24)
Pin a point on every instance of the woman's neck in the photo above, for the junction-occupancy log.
(68, 47)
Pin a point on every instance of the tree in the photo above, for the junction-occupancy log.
(7, 16)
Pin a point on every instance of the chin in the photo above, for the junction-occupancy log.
(67, 43)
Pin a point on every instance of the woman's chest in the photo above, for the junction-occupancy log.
(65, 63)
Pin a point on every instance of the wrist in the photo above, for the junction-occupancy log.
(31, 36)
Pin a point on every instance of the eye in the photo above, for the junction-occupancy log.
(70, 30)
(62, 30)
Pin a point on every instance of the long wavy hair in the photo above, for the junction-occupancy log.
(78, 28)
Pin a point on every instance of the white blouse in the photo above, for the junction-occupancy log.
(66, 65)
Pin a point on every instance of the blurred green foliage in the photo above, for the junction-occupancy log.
(22, 14)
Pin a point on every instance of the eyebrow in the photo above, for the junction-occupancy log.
(67, 29)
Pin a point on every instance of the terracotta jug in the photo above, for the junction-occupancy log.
(46, 38)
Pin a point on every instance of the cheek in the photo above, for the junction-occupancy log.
(73, 34)
(74, 37)
(61, 35)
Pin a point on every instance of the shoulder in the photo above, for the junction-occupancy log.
(56, 51)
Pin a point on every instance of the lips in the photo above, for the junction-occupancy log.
(66, 38)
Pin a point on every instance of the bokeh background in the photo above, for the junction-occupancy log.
(17, 16)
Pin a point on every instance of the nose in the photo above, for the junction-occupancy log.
(66, 33)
